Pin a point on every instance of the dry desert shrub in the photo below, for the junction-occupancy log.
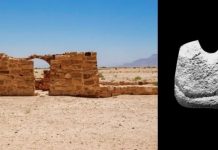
(101, 76)
(137, 78)
(155, 83)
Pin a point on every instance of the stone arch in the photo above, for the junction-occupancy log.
(40, 63)
(46, 58)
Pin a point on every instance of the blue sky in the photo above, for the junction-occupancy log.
(118, 30)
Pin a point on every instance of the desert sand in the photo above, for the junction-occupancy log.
(125, 122)
(128, 74)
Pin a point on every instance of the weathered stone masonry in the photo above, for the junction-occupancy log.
(16, 76)
(73, 74)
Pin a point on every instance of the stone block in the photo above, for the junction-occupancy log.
(4, 71)
(76, 75)
(89, 82)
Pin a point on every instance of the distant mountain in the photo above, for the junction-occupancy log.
(144, 62)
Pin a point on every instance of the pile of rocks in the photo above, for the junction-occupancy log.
(43, 83)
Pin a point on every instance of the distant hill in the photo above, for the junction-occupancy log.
(144, 62)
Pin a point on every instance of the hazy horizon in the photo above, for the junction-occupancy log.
(39, 63)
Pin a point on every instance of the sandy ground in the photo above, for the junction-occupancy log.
(125, 122)
(127, 74)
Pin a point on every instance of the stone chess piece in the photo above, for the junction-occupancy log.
(196, 77)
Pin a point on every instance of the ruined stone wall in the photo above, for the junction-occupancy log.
(108, 91)
(74, 74)
(16, 76)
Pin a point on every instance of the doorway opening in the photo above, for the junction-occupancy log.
(42, 76)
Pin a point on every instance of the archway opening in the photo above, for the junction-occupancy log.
(42, 76)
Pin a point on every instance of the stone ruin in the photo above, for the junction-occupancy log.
(71, 74)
